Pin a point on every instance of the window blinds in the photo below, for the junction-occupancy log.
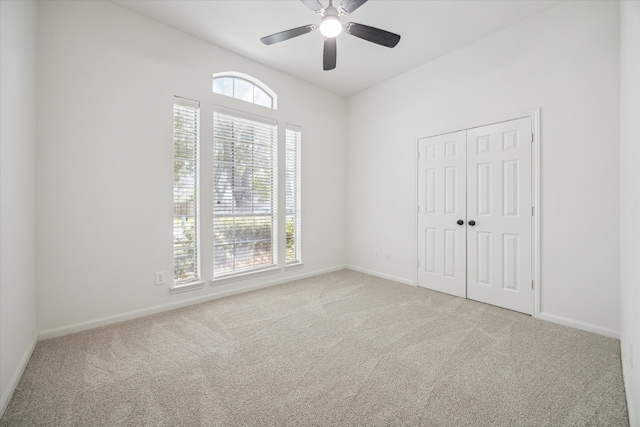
(292, 161)
(244, 199)
(186, 116)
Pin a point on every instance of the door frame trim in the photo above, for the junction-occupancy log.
(534, 114)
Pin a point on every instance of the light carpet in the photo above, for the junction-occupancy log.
(340, 349)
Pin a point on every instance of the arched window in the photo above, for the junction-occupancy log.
(244, 87)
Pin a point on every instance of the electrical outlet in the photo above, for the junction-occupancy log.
(376, 253)
(161, 278)
(387, 255)
(631, 354)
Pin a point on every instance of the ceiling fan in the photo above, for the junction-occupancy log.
(331, 26)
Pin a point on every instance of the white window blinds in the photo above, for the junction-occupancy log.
(186, 117)
(293, 217)
(244, 199)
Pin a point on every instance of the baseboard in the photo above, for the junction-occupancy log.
(382, 275)
(15, 379)
(109, 320)
(579, 325)
(627, 376)
(633, 421)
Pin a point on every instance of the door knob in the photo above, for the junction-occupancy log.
(472, 223)
(460, 222)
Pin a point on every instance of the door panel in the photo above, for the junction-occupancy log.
(499, 201)
(442, 202)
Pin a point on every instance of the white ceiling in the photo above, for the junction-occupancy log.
(429, 29)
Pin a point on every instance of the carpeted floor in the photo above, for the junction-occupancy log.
(341, 349)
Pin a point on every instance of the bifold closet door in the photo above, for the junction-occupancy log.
(442, 213)
(499, 189)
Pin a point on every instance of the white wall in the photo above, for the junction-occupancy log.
(564, 61)
(106, 81)
(630, 201)
(18, 330)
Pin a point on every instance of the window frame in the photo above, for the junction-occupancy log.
(245, 118)
(183, 104)
(251, 80)
(206, 195)
(293, 147)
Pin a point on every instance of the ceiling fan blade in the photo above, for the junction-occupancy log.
(313, 5)
(372, 34)
(330, 54)
(348, 6)
(288, 34)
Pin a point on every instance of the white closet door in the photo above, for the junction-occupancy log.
(441, 204)
(499, 189)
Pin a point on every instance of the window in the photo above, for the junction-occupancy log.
(244, 218)
(186, 117)
(245, 88)
(247, 185)
(292, 161)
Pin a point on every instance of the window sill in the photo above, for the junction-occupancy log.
(293, 266)
(243, 276)
(185, 287)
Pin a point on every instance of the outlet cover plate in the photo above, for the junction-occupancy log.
(161, 278)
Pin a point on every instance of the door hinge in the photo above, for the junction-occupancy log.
(531, 284)
(532, 210)
(418, 154)
(418, 263)
(418, 208)
(532, 138)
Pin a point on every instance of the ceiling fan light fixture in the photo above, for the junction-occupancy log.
(330, 25)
